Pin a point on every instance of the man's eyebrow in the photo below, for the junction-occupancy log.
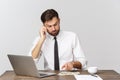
(52, 24)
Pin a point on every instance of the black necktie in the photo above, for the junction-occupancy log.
(56, 58)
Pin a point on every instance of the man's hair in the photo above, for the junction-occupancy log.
(48, 15)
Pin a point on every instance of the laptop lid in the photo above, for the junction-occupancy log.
(24, 65)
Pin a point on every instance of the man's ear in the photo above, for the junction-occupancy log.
(59, 19)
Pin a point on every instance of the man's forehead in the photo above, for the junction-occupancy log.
(51, 22)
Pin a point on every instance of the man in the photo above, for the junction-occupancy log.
(69, 52)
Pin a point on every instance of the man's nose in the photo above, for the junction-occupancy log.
(53, 28)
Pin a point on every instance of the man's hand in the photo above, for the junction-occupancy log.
(42, 33)
(68, 66)
(71, 65)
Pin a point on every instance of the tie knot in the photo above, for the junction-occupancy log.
(55, 38)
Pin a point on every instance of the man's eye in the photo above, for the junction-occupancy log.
(49, 26)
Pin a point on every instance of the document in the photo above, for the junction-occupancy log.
(87, 77)
(68, 73)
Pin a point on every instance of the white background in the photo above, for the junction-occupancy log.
(97, 23)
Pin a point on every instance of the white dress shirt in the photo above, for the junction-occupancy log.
(69, 49)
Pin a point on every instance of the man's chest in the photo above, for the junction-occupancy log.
(65, 47)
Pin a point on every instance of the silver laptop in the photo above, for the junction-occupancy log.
(25, 66)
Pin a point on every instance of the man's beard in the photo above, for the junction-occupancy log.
(55, 33)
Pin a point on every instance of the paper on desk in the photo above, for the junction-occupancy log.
(68, 73)
(87, 77)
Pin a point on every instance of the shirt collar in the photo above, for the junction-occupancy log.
(52, 37)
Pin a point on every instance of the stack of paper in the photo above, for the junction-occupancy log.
(68, 73)
(87, 77)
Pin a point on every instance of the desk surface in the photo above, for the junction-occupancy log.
(104, 74)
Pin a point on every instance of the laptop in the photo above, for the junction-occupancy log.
(25, 66)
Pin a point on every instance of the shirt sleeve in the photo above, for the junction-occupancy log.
(34, 44)
(78, 52)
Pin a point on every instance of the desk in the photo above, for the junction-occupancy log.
(104, 74)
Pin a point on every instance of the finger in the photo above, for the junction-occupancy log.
(63, 66)
(45, 29)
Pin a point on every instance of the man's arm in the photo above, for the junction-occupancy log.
(79, 60)
(37, 49)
